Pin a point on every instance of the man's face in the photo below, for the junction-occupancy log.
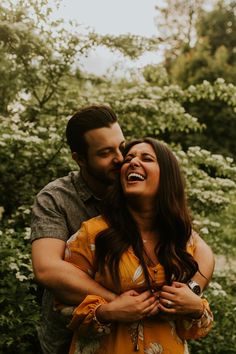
(104, 154)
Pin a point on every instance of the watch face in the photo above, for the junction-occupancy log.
(195, 287)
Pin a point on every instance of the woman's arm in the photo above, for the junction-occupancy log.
(183, 300)
(195, 319)
(179, 299)
(206, 262)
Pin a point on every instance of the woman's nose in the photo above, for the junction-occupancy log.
(134, 161)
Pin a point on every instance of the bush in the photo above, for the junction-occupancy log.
(19, 309)
(222, 338)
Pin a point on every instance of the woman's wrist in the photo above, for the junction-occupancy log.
(102, 313)
(197, 314)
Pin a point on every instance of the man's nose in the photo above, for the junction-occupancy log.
(118, 157)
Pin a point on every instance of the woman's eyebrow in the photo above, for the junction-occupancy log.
(130, 154)
(148, 154)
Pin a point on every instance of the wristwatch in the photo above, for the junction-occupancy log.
(195, 287)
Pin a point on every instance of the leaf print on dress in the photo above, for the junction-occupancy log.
(186, 351)
(92, 247)
(173, 331)
(138, 272)
(136, 331)
(154, 348)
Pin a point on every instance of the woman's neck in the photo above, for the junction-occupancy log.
(145, 219)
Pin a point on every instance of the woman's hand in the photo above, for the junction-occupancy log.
(179, 299)
(128, 307)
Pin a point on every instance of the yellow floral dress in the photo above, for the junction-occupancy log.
(158, 335)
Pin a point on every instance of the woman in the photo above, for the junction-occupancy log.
(143, 242)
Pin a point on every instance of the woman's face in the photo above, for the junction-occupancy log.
(140, 172)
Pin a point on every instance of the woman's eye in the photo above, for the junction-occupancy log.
(127, 160)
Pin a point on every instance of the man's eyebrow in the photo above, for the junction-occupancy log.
(105, 148)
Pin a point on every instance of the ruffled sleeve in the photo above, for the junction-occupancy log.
(188, 328)
(84, 318)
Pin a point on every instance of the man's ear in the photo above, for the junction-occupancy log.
(78, 159)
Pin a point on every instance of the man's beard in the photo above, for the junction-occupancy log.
(99, 175)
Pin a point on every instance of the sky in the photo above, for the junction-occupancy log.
(112, 17)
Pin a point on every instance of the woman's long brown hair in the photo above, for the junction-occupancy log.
(173, 224)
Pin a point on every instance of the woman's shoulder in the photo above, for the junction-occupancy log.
(88, 230)
(95, 225)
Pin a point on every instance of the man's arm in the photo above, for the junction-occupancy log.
(67, 282)
(206, 262)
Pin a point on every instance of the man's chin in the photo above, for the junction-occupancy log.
(113, 176)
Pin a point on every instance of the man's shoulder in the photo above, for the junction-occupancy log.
(62, 186)
(62, 182)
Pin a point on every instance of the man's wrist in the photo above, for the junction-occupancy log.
(111, 297)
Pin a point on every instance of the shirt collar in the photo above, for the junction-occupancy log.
(83, 189)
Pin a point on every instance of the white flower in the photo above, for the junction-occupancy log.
(20, 277)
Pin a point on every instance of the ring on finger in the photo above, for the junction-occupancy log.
(169, 303)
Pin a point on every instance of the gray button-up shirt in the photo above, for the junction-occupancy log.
(58, 211)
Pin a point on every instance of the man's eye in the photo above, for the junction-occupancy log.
(104, 153)
(122, 148)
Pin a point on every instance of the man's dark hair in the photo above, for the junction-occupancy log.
(87, 118)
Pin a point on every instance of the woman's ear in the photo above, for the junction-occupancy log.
(78, 159)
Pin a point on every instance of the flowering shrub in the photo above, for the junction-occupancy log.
(39, 90)
(19, 308)
(221, 296)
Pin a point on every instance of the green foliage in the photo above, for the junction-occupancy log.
(28, 149)
(212, 56)
(199, 64)
(221, 296)
(131, 46)
(222, 29)
(19, 309)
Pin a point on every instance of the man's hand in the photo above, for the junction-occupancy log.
(128, 307)
(179, 299)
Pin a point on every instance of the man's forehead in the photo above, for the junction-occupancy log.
(104, 137)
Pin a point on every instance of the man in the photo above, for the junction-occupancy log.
(96, 142)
